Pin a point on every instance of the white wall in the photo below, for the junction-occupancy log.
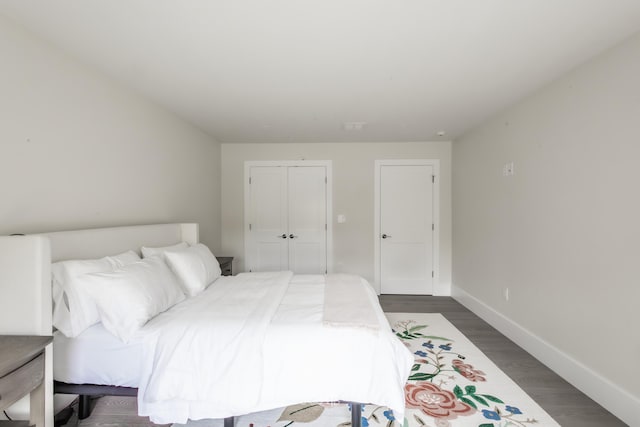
(353, 196)
(563, 232)
(77, 151)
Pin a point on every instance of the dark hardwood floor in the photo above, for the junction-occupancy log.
(568, 406)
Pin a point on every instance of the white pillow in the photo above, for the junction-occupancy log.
(73, 309)
(130, 296)
(149, 252)
(195, 266)
(124, 258)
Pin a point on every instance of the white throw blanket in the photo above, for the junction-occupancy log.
(347, 303)
(206, 347)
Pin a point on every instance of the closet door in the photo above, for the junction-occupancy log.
(268, 248)
(307, 212)
(286, 221)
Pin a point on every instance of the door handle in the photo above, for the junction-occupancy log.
(386, 236)
(292, 236)
(283, 236)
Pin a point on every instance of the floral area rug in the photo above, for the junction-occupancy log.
(452, 384)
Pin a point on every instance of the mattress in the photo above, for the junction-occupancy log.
(97, 357)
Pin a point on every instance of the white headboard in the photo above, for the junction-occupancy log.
(25, 285)
(99, 242)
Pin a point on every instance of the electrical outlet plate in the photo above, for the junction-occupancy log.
(507, 169)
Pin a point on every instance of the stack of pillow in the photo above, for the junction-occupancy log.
(124, 291)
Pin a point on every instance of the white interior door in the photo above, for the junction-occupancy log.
(307, 219)
(268, 226)
(406, 228)
(287, 218)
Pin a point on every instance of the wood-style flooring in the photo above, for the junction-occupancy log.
(568, 406)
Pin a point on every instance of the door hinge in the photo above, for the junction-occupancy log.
(325, 227)
(325, 180)
(433, 178)
(433, 227)
(249, 227)
(433, 274)
(249, 180)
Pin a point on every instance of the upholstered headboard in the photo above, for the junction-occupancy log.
(99, 242)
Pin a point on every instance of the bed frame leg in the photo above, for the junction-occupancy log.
(356, 414)
(229, 422)
(84, 406)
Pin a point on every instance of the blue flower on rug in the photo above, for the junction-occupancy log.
(389, 415)
(491, 415)
(420, 353)
(428, 344)
(445, 347)
(513, 409)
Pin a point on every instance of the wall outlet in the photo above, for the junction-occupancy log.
(507, 169)
(506, 294)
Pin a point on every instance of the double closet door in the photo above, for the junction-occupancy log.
(286, 216)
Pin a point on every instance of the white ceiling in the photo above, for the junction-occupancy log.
(297, 70)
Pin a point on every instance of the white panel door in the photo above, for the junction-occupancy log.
(269, 249)
(307, 219)
(406, 229)
(287, 219)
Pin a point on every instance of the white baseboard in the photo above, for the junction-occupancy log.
(616, 400)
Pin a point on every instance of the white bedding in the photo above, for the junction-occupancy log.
(289, 357)
(96, 357)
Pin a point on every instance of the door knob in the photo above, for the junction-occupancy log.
(283, 236)
(384, 236)
(292, 236)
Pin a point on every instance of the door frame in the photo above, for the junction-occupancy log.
(435, 163)
(288, 163)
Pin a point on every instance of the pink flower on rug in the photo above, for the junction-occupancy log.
(435, 402)
(468, 371)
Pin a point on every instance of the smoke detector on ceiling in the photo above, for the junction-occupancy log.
(353, 126)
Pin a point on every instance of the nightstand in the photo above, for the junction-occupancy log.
(22, 365)
(226, 265)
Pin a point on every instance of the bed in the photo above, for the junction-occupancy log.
(246, 343)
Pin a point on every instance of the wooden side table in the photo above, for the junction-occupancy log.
(226, 265)
(22, 367)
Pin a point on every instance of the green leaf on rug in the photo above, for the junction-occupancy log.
(491, 398)
(433, 337)
(421, 376)
(468, 402)
(415, 367)
(470, 389)
(479, 399)
(303, 412)
(487, 425)
(458, 391)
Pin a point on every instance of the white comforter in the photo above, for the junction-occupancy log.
(257, 341)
